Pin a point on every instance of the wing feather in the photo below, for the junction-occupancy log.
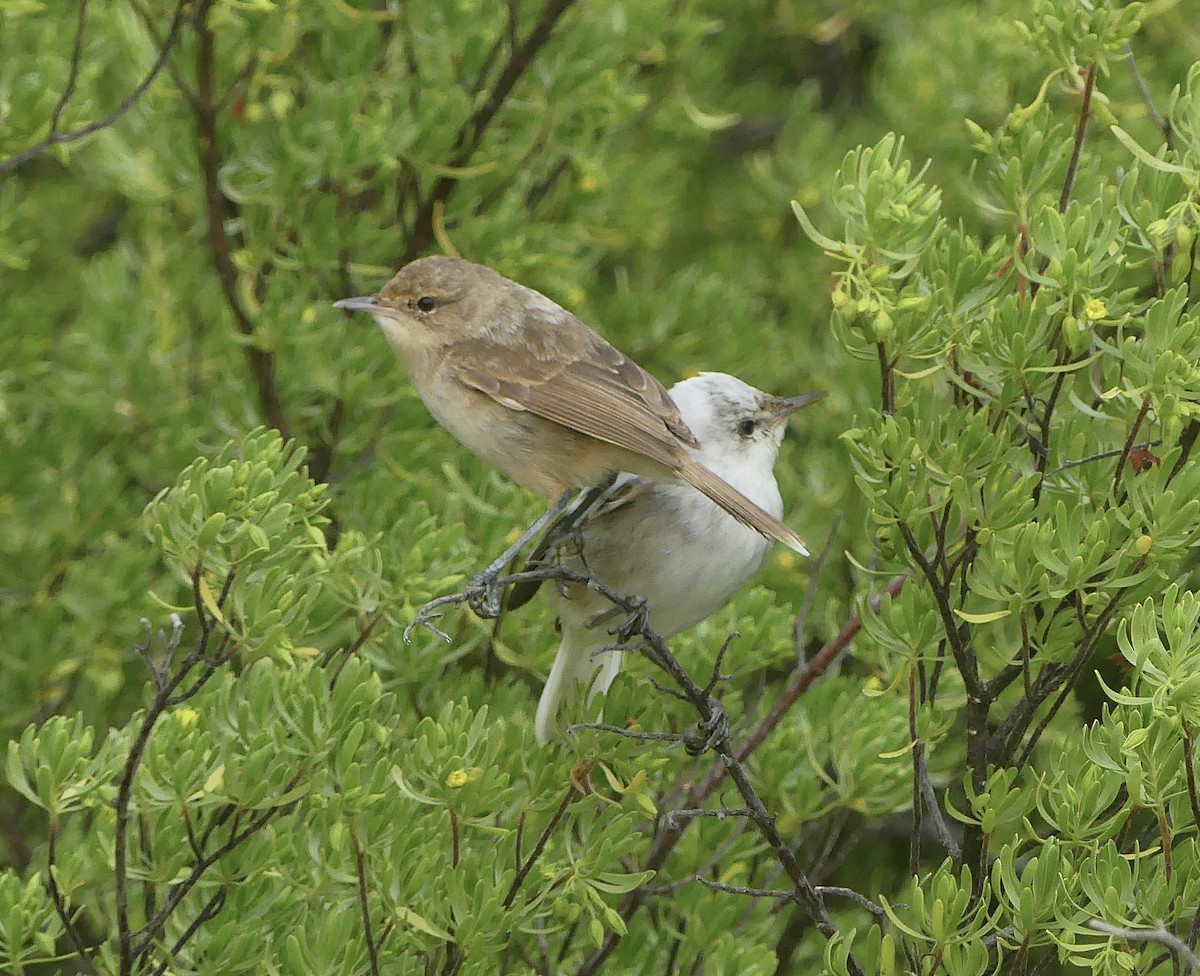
(564, 372)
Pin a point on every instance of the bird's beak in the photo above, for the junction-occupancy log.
(786, 406)
(364, 303)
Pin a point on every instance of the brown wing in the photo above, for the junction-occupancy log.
(558, 368)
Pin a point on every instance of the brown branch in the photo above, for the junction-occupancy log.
(471, 135)
(361, 868)
(523, 869)
(149, 932)
(1067, 677)
(669, 838)
(56, 138)
(887, 381)
(802, 677)
(165, 686)
(1085, 112)
(211, 909)
(73, 71)
(60, 904)
(1189, 765)
(261, 361)
(1128, 446)
(1163, 124)
(941, 594)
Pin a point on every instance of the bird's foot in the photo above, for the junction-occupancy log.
(709, 733)
(636, 624)
(483, 594)
(428, 613)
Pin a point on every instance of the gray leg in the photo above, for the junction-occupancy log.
(485, 598)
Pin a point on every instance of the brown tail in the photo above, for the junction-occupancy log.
(739, 506)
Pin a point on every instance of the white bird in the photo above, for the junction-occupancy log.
(667, 542)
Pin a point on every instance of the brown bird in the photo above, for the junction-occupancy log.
(533, 391)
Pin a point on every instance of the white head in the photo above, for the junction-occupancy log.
(733, 421)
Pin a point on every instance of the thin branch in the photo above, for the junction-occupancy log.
(967, 665)
(854, 896)
(1068, 676)
(783, 894)
(471, 134)
(60, 904)
(810, 592)
(1189, 765)
(1085, 112)
(261, 361)
(152, 29)
(887, 381)
(150, 931)
(627, 733)
(543, 839)
(1128, 446)
(1103, 456)
(802, 677)
(211, 909)
(55, 138)
(722, 813)
(73, 71)
(124, 795)
(945, 837)
(1163, 124)
(1161, 935)
(1186, 441)
(360, 863)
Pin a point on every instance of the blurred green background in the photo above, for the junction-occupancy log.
(637, 167)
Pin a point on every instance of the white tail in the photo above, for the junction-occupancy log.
(581, 659)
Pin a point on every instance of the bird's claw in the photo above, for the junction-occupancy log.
(636, 623)
(483, 596)
(707, 734)
(425, 618)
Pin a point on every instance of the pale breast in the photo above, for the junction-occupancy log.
(674, 547)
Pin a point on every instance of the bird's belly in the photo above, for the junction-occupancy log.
(686, 560)
(539, 454)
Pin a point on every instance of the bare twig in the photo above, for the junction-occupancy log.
(60, 904)
(627, 733)
(471, 134)
(72, 71)
(360, 863)
(945, 837)
(56, 138)
(810, 592)
(1161, 935)
(1085, 112)
(261, 361)
(211, 909)
(1103, 456)
(544, 838)
(741, 890)
(854, 896)
(674, 817)
(1163, 124)
(1128, 446)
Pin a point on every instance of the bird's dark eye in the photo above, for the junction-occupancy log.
(427, 303)
(747, 427)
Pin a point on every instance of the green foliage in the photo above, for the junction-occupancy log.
(273, 780)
